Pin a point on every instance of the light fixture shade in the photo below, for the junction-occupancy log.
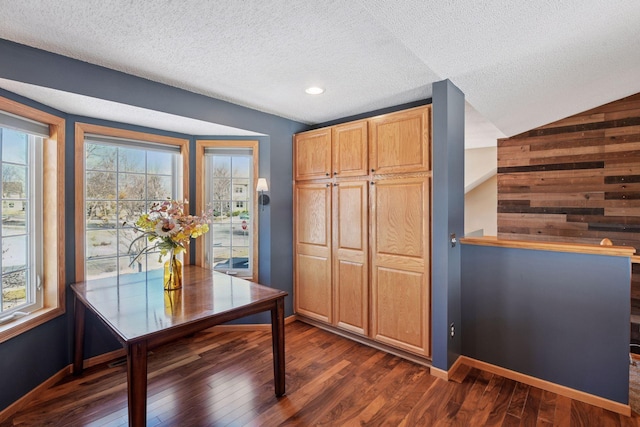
(262, 185)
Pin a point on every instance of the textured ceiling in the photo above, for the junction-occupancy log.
(520, 64)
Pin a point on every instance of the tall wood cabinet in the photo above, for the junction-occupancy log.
(362, 228)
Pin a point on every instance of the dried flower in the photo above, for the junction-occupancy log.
(168, 228)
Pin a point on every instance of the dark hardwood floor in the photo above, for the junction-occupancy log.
(226, 378)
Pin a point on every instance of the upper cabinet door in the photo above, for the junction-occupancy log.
(312, 154)
(400, 142)
(350, 152)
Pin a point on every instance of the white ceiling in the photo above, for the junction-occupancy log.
(520, 64)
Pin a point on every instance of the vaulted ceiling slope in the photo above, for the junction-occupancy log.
(520, 64)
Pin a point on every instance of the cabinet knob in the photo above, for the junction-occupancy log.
(335, 184)
(326, 174)
(372, 183)
(328, 185)
(335, 173)
(373, 170)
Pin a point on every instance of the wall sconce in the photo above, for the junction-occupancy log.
(262, 186)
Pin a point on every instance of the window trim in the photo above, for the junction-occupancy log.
(201, 145)
(53, 241)
(85, 128)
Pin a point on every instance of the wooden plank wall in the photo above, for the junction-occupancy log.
(575, 180)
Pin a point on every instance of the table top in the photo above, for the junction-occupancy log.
(136, 306)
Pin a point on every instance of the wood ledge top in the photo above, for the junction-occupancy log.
(624, 251)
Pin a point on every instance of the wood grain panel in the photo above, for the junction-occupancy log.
(350, 149)
(399, 316)
(400, 286)
(400, 142)
(313, 292)
(399, 217)
(351, 255)
(313, 203)
(575, 180)
(312, 154)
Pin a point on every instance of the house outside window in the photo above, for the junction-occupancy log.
(21, 167)
(32, 282)
(227, 188)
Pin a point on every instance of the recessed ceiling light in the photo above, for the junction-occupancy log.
(314, 90)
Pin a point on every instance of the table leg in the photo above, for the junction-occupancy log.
(137, 383)
(78, 345)
(277, 338)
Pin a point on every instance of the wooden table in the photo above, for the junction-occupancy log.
(143, 316)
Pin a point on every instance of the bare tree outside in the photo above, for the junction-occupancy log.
(14, 208)
(121, 183)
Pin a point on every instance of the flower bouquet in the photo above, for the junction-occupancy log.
(169, 229)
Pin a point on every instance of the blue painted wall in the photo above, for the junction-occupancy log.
(447, 218)
(561, 317)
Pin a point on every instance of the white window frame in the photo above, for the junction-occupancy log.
(50, 254)
(34, 292)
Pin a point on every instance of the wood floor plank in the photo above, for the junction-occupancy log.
(501, 404)
(489, 397)
(562, 416)
(219, 378)
(547, 407)
(518, 400)
(471, 404)
(531, 407)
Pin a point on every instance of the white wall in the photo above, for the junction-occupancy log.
(481, 191)
(480, 208)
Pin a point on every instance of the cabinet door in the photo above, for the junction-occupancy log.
(350, 256)
(400, 282)
(312, 154)
(400, 142)
(313, 294)
(350, 152)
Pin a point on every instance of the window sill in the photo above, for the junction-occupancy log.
(30, 321)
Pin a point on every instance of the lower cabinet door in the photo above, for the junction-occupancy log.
(350, 256)
(400, 282)
(313, 287)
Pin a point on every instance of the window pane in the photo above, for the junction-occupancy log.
(159, 187)
(14, 146)
(131, 186)
(240, 235)
(101, 243)
(230, 192)
(131, 160)
(101, 214)
(14, 289)
(221, 257)
(100, 267)
(130, 211)
(242, 167)
(100, 157)
(241, 189)
(101, 185)
(159, 162)
(20, 165)
(221, 167)
(14, 181)
(117, 194)
(14, 253)
(131, 243)
(14, 217)
(221, 189)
